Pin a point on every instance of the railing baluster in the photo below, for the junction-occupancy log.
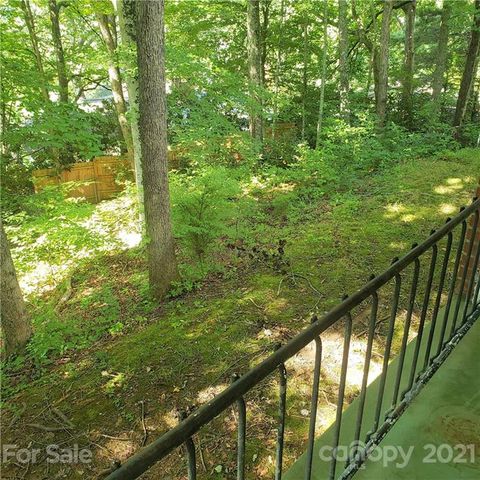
(281, 420)
(241, 434)
(438, 300)
(190, 448)
(423, 316)
(341, 392)
(388, 346)
(366, 368)
(313, 405)
(476, 296)
(464, 275)
(406, 331)
(451, 292)
(471, 281)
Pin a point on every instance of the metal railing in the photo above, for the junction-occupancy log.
(448, 299)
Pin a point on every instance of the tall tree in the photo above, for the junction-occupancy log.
(162, 265)
(32, 32)
(126, 24)
(381, 64)
(54, 9)
(324, 75)
(343, 59)
(469, 71)
(441, 58)
(264, 33)
(255, 68)
(407, 80)
(108, 27)
(16, 325)
(304, 77)
(278, 63)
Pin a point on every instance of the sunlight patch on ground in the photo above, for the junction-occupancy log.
(451, 185)
(398, 210)
(110, 232)
(447, 208)
(283, 187)
(332, 356)
(395, 208)
(209, 393)
(302, 366)
(130, 239)
(398, 245)
(43, 277)
(409, 217)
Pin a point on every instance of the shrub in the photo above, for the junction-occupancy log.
(202, 207)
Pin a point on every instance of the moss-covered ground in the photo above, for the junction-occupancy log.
(156, 359)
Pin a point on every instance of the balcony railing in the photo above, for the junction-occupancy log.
(441, 295)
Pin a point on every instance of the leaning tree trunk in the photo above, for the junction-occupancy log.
(304, 78)
(277, 70)
(43, 84)
(30, 22)
(324, 76)
(343, 59)
(255, 68)
(16, 326)
(441, 59)
(54, 9)
(162, 265)
(469, 72)
(407, 87)
(264, 34)
(116, 80)
(382, 65)
(126, 23)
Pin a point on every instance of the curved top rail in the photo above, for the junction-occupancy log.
(158, 449)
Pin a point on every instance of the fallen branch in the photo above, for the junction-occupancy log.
(62, 417)
(111, 437)
(292, 275)
(46, 428)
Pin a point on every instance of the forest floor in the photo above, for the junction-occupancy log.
(122, 390)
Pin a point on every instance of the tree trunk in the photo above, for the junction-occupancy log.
(30, 22)
(116, 79)
(441, 57)
(469, 72)
(255, 68)
(343, 59)
(126, 25)
(324, 76)
(58, 47)
(265, 22)
(16, 326)
(277, 69)
(162, 265)
(43, 84)
(381, 65)
(304, 78)
(407, 90)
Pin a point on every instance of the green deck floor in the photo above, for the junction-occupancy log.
(446, 411)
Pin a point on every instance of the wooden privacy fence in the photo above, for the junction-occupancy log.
(96, 178)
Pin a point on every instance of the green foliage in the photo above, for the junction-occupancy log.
(63, 127)
(203, 206)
